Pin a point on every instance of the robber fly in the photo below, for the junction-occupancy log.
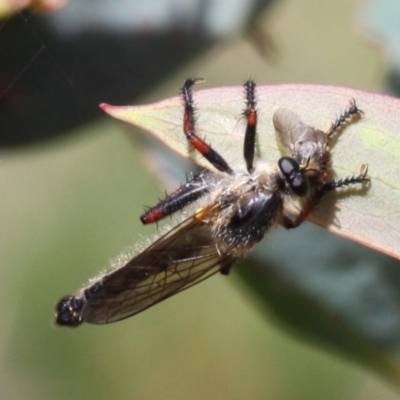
(236, 209)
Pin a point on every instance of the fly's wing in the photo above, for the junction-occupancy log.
(302, 141)
(287, 126)
(178, 260)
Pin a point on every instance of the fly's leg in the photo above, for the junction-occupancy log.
(338, 183)
(212, 156)
(352, 112)
(177, 200)
(320, 191)
(250, 113)
(197, 186)
(300, 218)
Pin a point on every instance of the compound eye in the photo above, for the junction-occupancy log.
(294, 180)
(287, 166)
(299, 185)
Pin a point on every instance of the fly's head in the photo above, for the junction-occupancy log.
(292, 178)
(306, 145)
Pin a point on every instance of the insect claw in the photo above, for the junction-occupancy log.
(193, 81)
(364, 172)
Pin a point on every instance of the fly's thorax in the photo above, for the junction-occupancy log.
(246, 208)
(310, 151)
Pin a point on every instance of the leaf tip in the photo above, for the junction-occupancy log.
(106, 107)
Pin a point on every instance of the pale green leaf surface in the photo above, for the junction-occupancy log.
(370, 216)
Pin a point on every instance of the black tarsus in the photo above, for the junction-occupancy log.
(346, 116)
(250, 113)
(338, 183)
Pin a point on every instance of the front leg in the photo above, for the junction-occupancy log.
(321, 191)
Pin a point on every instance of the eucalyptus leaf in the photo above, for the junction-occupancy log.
(371, 216)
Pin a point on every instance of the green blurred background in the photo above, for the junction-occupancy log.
(71, 203)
